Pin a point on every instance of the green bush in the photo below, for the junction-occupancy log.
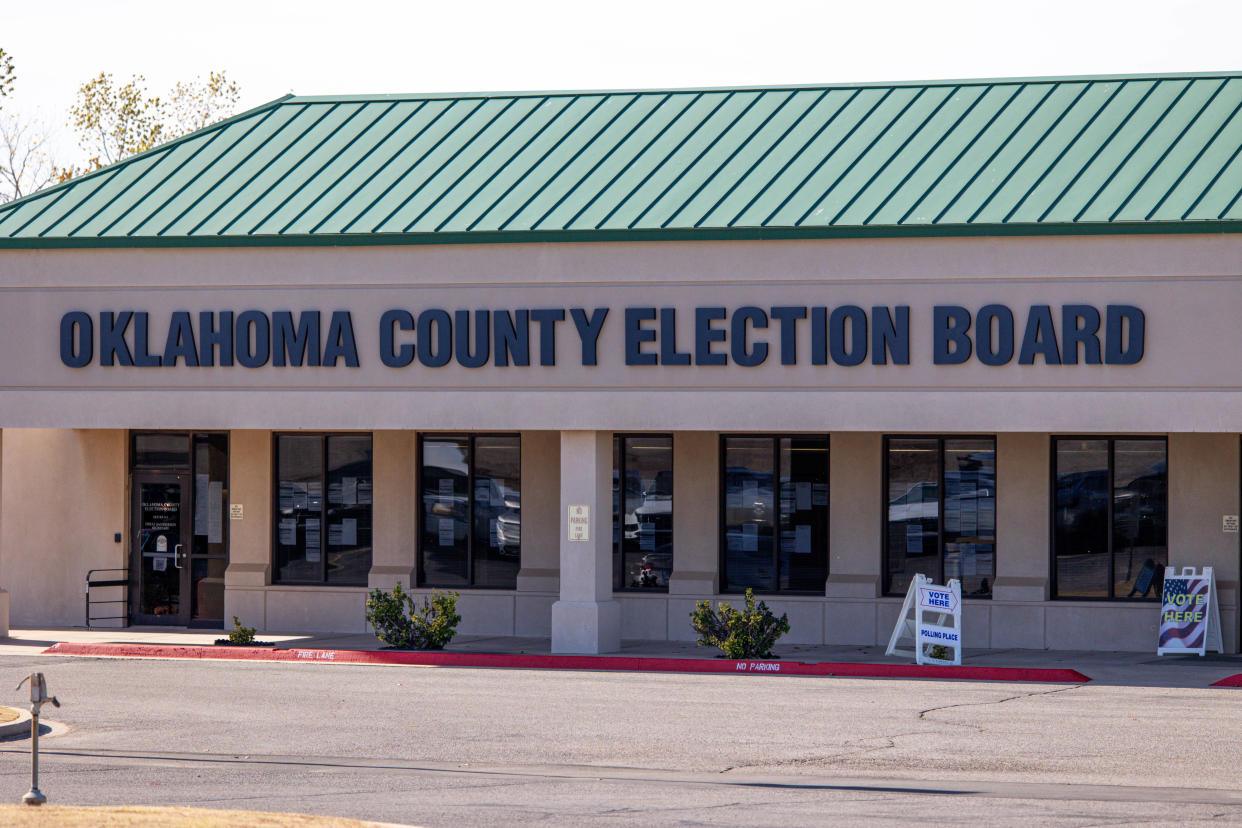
(750, 633)
(400, 622)
(239, 634)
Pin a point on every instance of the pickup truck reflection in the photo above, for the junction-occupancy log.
(646, 528)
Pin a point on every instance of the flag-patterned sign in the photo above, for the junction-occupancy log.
(1185, 611)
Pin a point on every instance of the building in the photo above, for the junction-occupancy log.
(811, 340)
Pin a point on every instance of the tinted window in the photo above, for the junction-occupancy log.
(162, 450)
(497, 540)
(642, 512)
(803, 564)
(323, 509)
(941, 512)
(1081, 519)
(471, 495)
(1111, 533)
(775, 513)
(445, 512)
(349, 485)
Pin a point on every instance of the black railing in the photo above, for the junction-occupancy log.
(101, 583)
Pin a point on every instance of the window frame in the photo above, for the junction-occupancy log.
(885, 586)
(323, 533)
(619, 439)
(722, 510)
(469, 437)
(1111, 439)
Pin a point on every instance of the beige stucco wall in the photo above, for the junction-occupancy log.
(1203, 487)
(394, 556)
(250, 539)
(1184, 284)
(538, 581)
(66, 494)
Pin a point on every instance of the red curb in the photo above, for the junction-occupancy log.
(564, 662)
(1228, 681)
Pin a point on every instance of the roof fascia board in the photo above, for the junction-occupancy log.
(646, 235)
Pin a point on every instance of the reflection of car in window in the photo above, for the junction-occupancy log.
(919, 502)
(505, 505)
(651, 525)
(633, 491)
(1082, 500)
(657, 499)
(748, 495)
(1140, 508)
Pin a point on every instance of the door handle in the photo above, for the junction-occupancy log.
(177, 556)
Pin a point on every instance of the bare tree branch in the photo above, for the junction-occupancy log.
(25, 163)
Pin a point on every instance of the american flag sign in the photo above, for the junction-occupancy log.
(1188, 612)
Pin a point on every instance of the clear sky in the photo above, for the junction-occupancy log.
(312, 47)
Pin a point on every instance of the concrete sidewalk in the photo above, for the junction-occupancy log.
(1119, 668)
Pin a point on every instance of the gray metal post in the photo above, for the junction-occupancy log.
(38, 696)
(34, 796)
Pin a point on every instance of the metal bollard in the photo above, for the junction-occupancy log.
(38, 695)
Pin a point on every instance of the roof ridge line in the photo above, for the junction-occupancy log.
(806, 87)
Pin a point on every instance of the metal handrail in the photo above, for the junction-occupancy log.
(122, 582)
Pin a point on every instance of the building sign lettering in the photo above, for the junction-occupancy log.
(748, 336)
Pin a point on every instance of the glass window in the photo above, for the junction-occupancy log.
(348, 528)
(471, 521)
(773, 543)
(1111, 501)
(642, 520)
(318, 540)
(161, 450)
(941, 519)
(210, 550)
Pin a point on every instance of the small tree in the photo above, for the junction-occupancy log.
(7, 75)
(115, 121)
(750, 633)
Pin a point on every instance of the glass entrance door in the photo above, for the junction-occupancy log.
(160, 560)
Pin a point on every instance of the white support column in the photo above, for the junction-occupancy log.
(586, 619)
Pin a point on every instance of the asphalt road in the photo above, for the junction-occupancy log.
(434, 746)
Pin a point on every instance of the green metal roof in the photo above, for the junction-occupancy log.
(1044, 155)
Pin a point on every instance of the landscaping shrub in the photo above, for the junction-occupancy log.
(400, 622)
(749, 633)
(241, 635)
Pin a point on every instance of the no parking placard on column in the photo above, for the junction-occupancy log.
(579, 522)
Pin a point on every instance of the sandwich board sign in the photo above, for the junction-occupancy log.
(1189, 612)
(937, 622)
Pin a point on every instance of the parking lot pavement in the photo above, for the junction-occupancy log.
(465, 746)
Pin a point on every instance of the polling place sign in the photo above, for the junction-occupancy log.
(1189, 612)
(936, 622)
